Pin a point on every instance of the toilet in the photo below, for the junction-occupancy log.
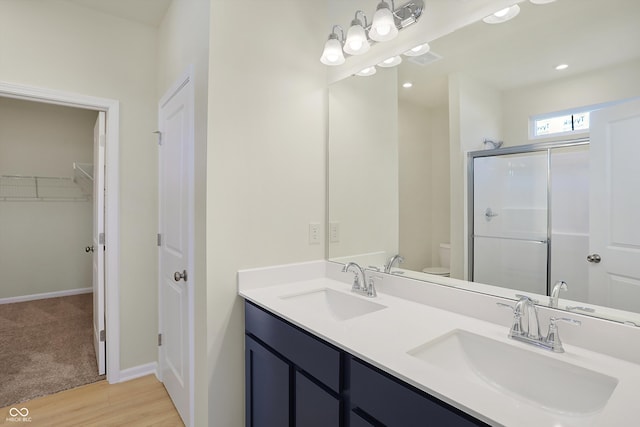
(443, 270)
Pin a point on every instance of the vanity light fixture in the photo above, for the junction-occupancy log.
(562, 67)
(386, 23)
(407, 85)
(390, 62)
(332, 53)
(503, 15)
(357, 42)
(418, 50)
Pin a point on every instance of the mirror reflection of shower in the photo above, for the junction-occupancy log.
(529, 218)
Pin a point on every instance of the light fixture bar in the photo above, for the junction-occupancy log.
(408, 13)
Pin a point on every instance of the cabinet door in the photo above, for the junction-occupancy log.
(312, 355)
(315, 407)
(356, 420)
(267, 387)
(395, 404)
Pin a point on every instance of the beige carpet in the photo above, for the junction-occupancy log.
(46, 346)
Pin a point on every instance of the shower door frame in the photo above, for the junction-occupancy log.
(518, 149)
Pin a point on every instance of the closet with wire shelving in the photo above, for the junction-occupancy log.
(46, 185)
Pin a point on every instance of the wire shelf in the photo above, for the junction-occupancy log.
(39, 188)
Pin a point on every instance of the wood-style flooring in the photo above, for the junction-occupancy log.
(140, 402)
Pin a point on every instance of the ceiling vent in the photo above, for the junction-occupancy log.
(426, 59)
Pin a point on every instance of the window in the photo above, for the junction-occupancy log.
(561, 123)
(566, 122)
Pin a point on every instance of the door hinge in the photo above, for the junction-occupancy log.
(103, 336)
(159, 340)
(159, 136)
(159, 239)
(101, 238)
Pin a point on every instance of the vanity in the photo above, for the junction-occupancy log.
(293, 375)
(318, 354)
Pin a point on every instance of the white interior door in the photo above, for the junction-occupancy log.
(99, 336)
(176, 242)
(614, 210)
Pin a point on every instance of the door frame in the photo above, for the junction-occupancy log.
(185, 82)
(111, 219)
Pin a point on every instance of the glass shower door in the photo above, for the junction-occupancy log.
(510, 199)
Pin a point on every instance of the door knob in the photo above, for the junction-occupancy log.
(177, 276)
(594, 258)
(88, 249)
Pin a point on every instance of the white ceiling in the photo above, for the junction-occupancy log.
(584, 34)
(149, 12)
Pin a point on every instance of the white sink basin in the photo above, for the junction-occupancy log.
(338, 305)
(544, 381)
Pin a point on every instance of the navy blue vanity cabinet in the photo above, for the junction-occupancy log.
(292, 378)
(379, 399)
(267, 385)
(314, 406)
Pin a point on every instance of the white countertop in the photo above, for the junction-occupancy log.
(382, 338)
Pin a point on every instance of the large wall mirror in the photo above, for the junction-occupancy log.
(401, 159)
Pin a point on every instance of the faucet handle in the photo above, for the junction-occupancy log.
(527, 298)
(580, 308)
(371, 289)
(503, 305)
(555, 320)
(553, 339)
(516, 325)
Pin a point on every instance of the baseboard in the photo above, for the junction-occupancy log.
(138, 371)
(46, 295)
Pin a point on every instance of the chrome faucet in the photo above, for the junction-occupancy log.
(526, 327)
(360, 280)
(526, 311)
(392, 261)
(559, 286)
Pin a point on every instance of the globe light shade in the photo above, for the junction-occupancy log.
(383, 28)
(332, 54)
(356, 42)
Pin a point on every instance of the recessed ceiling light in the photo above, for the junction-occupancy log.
(503, 15)
(407, 85)
(562, 67)
(390, 62)
(418, 50)
(366, 72)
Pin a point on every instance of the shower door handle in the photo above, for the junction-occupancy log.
(489, 214)
(594, 258)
